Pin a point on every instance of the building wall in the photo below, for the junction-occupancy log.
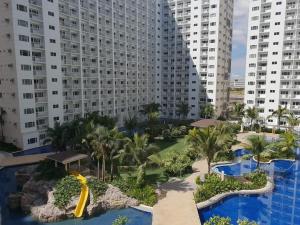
(195, 55)
(111, 57)
(272, 69)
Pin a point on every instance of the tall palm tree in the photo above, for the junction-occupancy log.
(183, 109)
(209, 141)
(280, 113)
(151, 110)
(102, 141)
(207, 111)
(2, 122)
(130, 124)
(238, 111)
(258, 144)
(252, 114)
(57, 137)
(292, 121)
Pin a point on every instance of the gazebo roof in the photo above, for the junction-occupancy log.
(67, 157)
(206, 123)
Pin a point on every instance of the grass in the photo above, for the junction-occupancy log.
(7, 147)
(156, 174)
(170, 147)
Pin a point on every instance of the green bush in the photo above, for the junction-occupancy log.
(246, 157)
(144, 194)
(177, 165)
(224, 156)
(65, 189)
(198, 180)
(97, 187)
(213, 185)
(217, 220)
(121, 220)
(46, 170)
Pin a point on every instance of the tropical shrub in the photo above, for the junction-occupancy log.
(224, 156)
(217, 220)
(121, 220)
(144, 194)
(246, 157)
(177, 165)
(213, 185)
(46, 170)
(65, 189)
(97, 187)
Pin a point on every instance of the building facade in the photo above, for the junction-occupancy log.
(61, 59)
(273, 58)
(195, 55)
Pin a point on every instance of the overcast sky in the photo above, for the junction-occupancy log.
(240, 23)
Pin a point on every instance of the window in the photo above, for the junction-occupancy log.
(52, 41)
(29, 111)
(26, 67)
(54, 92)
(253, 37)
(24, 53)
(27, 95)
(54, 79)
(24, 38)
(21, 8)
(32, 140)
(50, 13)
(51, 27)
(276, 33)
(277, 23)
(26, 81)
(23, 23)
(54, 67)
(272, 91)
(275, 43)
(55, 106)
(29, 124)
(53, 53)
(278, 13)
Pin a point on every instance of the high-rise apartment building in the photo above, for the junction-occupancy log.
(273, 57)
(60, 59)
(195, 54)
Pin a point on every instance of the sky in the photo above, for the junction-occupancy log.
(240, 23)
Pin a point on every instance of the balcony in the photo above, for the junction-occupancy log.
(38, 59)
(41, 99)
(40, 86)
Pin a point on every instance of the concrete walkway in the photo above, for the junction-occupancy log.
(23, 160)
(178, 207)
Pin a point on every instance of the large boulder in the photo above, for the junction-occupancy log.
(112, 199)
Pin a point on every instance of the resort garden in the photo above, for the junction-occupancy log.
(127, 167)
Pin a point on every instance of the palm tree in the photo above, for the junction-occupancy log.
(151, 110)
(101, 141)
(209, 141)
(288, 142)
(292, 121)
(258, 144)
(138, 150)
(2, 122)
(207, 111)
(238, 111)
(279, 113)
(130, 124)
(57, 136)
(252, 114)
(183, 109)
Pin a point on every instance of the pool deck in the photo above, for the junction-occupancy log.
(23, 160)
(179, 206)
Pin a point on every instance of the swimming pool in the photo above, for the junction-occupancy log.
(281, 207)
(8, 185)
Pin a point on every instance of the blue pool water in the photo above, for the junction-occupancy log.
(8, 185)
(281, 207)
(241, 152)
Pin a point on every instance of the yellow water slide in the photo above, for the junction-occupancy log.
(83, 196)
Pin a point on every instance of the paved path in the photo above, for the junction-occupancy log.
(23, 160)
(178, 207)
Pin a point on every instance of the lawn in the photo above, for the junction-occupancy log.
(156, 174)
(170, 147)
